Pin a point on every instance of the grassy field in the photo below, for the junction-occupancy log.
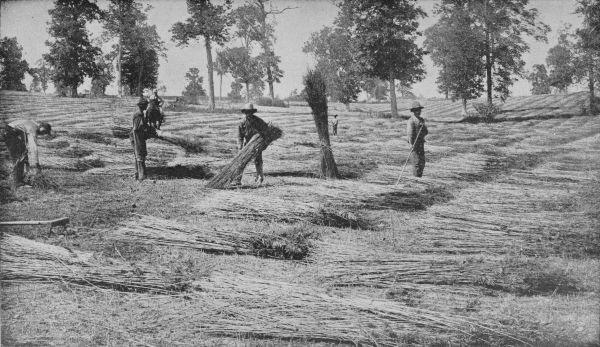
(497, 244)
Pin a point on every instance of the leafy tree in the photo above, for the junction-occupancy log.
(242, 67)
(142, 48)
(43, 74)
(457, 49)
(589, 41)
(103, 78)
(331, 47)
(384, 35)
(503, 23)
(562, 61)
(257, 90)
(121, 17)
(236, 91)
(220, 69)
(193, 90)
(316, 96)
(72, 57)
(208, 22)
(375, 88)
(270, 61)
(12, 66)
(540, 83)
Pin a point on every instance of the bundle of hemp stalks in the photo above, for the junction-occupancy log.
(246, 306)
(158, 231)
(236, 167)
(163, 232)
(28, 260)
(121, 129)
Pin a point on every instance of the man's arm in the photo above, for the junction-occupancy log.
(410, 131)
(240, 139)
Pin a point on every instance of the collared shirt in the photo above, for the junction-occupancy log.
(412, 130)
(249, 126)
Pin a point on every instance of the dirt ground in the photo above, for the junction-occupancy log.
(496, 245)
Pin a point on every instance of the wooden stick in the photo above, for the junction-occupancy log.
(54, 222)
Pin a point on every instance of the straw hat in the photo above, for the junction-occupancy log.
(248, 108)
(416, 106)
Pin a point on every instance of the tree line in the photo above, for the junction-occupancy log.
(477, 45)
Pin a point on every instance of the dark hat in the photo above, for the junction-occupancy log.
(416, 106)
(44, 129)
(248, 108)
(142, 102)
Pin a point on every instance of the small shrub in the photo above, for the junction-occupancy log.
(288, 243)
(266, 101)
(485, 111)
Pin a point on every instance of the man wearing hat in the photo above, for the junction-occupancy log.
(416, 130)
(21, 141)
(140, 132)
(249, 126)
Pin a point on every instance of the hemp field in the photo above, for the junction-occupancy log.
(497, 244)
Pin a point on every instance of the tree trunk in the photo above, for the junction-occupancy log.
(270, 81)
(488, 57)
(139, 90)
(328, 165)
(211, 83)
(464, 109)
(247, 92)
(119, 58)
(591, 82)
(394, 106)
(74, 91)
(221, 88)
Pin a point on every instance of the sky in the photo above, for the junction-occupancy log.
(27, 21)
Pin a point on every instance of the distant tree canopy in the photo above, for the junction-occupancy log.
(72, 56)
(142, 48)
(540, 82)
(41, 75)
(208, 22)
(375, 88)
(242, 67)
(589, 42)
(193, 90)
(103, 78)
(384, 35)
(456, 47)
(236, 91)
(332, 49)
(12, 66)
(122, 17)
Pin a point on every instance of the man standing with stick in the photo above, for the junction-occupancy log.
(140, 132)
(416, 130)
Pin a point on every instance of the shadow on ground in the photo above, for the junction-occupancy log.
(179, 171)
(408, 201)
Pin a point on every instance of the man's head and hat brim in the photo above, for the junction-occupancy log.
(248, 108)
(416, 106)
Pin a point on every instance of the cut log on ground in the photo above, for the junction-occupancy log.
(27, 260)
(236, 167)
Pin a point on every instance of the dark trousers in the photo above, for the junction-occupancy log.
(417, 160)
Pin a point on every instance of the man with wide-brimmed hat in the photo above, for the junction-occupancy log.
(140, 132)
(416, 130)
(249, 126)
(21, 140)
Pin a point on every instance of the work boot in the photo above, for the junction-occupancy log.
(259, 179)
